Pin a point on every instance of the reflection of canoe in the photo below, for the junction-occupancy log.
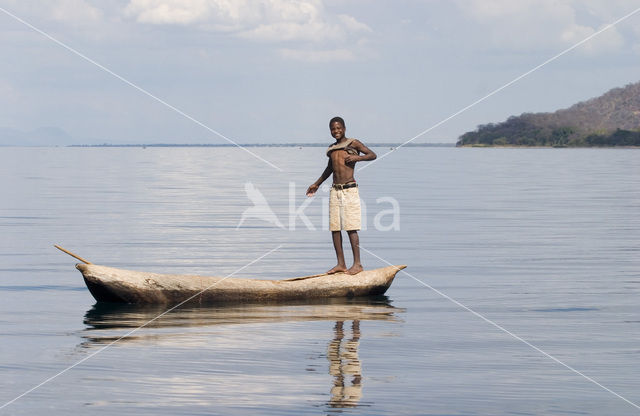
(104, 316)
(107, 322)
(116, 285)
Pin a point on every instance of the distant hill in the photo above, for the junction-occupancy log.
(42, 136)
(613, 119)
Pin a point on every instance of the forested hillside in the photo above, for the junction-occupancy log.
(613, 119)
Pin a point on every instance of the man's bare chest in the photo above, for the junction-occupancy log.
(338, 156)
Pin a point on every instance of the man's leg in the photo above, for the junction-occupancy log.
(355, 248)
(337, 245)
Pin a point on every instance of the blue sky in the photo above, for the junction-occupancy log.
(277, 70)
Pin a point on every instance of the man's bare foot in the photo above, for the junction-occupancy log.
(355, 269)
(337, 269)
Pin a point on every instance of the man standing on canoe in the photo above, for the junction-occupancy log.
(344, 200)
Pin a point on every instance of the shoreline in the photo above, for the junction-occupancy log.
(491, 146)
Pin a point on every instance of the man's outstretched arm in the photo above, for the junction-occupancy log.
(314, 187)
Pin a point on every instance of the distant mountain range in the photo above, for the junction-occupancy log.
(612, 119)
(42, 136)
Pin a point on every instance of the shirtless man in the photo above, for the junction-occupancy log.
(344, 200)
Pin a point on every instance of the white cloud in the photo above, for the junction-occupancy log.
(352, 24)
(75, 11)
(542, 24)
(318, 56)
(608, 10)
(168, 12)
(312, 34)
(610, 40)
(258, 20)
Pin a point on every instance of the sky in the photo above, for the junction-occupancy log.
(275, 71)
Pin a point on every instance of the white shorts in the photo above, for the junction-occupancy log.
(344, 209)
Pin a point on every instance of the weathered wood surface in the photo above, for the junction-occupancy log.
(109, 284)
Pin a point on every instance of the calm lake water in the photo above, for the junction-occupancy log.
(543, 242)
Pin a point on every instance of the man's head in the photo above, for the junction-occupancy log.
(337, 127)
(338, 119)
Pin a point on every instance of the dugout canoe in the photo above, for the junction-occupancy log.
(109, 284)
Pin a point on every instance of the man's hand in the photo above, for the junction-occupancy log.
(312, 190)
(352, 159)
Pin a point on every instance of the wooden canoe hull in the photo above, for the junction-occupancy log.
(108, 284)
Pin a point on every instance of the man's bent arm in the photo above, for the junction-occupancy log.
(367, 154)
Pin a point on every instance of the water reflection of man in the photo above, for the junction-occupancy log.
(344, 363)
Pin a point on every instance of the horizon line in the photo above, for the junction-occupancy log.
(259, 144)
